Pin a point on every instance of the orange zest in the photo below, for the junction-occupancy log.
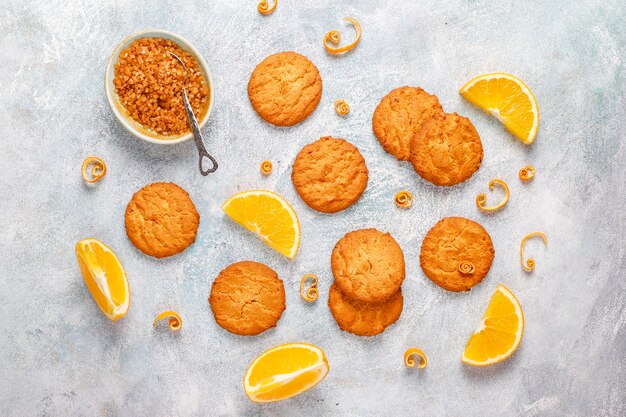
(415, 353)
(309, 295)
(466, 268)
(341, 107)
(481, 199)
(527, 173)
(175, 322)
(98, 169)
(266, 167)
(403, 199)
(529, 264)
(264, 8)
(334, 37)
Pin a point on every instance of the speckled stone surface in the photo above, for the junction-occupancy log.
(61, 357)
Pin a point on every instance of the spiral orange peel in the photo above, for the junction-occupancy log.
(334, 37)
(529, 264)
(411, 354)
(264, 8)
(309, 295)
(481, 199)
(175, 322)
(98, 169)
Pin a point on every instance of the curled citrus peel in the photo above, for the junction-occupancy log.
(413, 353)
(529, 264)
(403, 199)
(310, 294)
(334, 37)
(98, 169)
(466, 268)
(175, 322)
(527, 173)
(266, 167)
(341, 107)
(264, 8)
(481, 199)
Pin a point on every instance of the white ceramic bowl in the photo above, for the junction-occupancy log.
(118, 109)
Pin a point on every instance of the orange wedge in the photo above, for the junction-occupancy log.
(499, 333)
(269, 216)
(508, 99)
(284, 371)
(105, 277)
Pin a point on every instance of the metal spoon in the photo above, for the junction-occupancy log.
(195, 128)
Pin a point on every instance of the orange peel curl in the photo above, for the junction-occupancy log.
(481, 199)
(309, 295)
(403, 199)
(98, 169)
(411, 354)
(529, 264)
(175, 322)
(334, 37)
(264, 7)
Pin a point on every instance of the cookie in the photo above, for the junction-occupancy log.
(399, 115)
(247, 298)
(361, 318)
(329, 174)
(448, 249)
(446, 150)
(285, 88)
(161, 220)
(368, 265)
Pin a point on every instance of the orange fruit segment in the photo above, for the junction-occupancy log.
(104, 276)
(285, 371)
(508, 99)
(500, 332)
(269, 216)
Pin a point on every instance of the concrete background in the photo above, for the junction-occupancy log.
(61, 357)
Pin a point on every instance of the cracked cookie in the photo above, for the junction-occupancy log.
(247, 298)
(329, 174)
(285, 88)
(361, 318)
(456, 253)
(368, 265)
(161, 220)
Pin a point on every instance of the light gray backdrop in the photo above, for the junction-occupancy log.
(61, 357)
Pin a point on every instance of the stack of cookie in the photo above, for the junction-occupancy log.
(368, 266)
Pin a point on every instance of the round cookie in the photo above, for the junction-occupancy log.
(399, 115)
(247, 298)
(447, 150)
(161, 220)
(450, 242)
(361, 318)
(368, 265)
(329, 174)
(285, 88)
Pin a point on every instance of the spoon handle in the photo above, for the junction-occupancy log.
(197, 136)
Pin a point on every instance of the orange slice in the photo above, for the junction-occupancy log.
(499, 333)
(269, 216)
(284, 371)
(508, 99)
(105, 277)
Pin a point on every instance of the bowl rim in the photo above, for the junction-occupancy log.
(131, 125)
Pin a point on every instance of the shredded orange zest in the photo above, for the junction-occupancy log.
(311, 294)
(404, 199)
(341, 107)
(264, 8)
(466, 268)
(529, 264)
(527, 173)
(266, 167)
(98, 169)
(411, 354)
(334, 37)
(481, 198)
(175, 321)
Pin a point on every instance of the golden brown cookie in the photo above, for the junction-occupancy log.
(456, 253)
(329, 174)
(361, 318)
(399, 115)
(247, 298)
(161, 220)
(368, 265)
(447, 150)
(285, 88)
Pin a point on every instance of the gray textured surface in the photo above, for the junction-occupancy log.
(61, 357)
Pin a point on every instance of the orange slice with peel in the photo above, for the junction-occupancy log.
(269, 216)
(500, 332)
(104, 276)
(285, 371)
(508, 99)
